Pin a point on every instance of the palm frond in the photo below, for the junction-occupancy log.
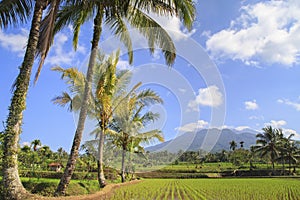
(148, 97)
(149, 117)
(63, 100)
(119, 28)
(46, 35)
(74, 13)
(186, 11)
(150, 135)
(13, 12)
(154, 33)
(74, 78)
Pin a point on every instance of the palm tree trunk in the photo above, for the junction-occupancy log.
(65, 179)
(101, 176)
(283, 163)
(12, 186)
(123, 165)
(290, 166)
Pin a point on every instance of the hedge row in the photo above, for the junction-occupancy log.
(110, 174)
(170, 175)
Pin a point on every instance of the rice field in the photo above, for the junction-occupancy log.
(214, 189)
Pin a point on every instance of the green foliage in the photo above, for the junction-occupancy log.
(46, 187)
(110, 173)
(14, 12)
(273, 145)
(239, 157)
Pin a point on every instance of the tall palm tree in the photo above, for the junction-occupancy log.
(128, 121)
(35, 144)
(268, 143)
(13, 12)
(233, 145)
(113, 12)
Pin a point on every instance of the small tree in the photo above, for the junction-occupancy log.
(35, 144)
(233, 145)
(130, 119)
(242, 144)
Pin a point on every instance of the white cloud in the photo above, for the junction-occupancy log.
(156, 55)
(193, 126)
(276, 124)
(210, 96)
(286, 131)
(174, 26)
(59, 55)
(124, 65)
(253, 117)
(25, 144)
(295, 105)
(251, 105)
(14, 42)
(266, 32)
(182, 90)
(241, 128)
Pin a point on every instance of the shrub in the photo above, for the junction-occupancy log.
(110, 174)
(76, 189)
(45, 188)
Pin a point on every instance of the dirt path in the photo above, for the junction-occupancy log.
(105, 193)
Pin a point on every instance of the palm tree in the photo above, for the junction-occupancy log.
(113, 12)
(107, 82)
(128, 123)
(289, 151)
(35, 144)
(268, 143)
(13, 12)
(242, 144)
(233, 145)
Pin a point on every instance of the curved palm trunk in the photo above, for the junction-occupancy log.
(13, 188)
(101, 176)
(65, 179)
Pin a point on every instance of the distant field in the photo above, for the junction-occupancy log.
(206, 167)
(233, 189)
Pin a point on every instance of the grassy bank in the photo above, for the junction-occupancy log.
(47, 186)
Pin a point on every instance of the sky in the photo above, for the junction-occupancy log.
(237, 68)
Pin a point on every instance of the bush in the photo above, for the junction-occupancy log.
(45, 188)
(76, 189)
(110, 174)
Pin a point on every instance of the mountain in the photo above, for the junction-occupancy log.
(213, 140)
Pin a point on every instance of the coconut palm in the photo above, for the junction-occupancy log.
(242, 144)
(114, 12)
(289, 151)
(128, 123)
(107, 82)
(268, 143)
(233, 145)
(35, 144)
(14, 12)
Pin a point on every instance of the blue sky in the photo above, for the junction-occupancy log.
(237, 68)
